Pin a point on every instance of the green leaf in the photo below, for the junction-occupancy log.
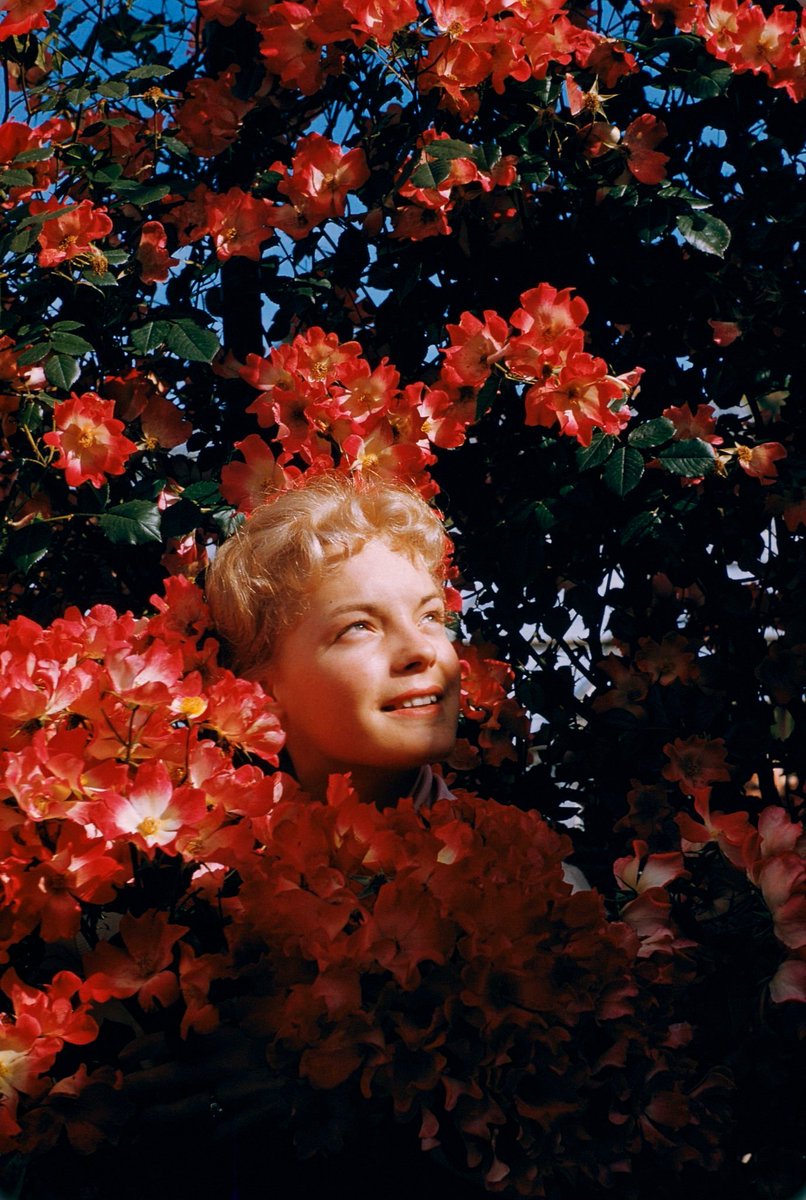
(624, 470)
(62, 371)
(691, 457)
(175, 146)
(115, 89)
(670, 191)
(33, 354)
(39, 154)
(77, 96)
(69, 343)
(487, 395)
(597, 452)
(132, 524)
(24, 238)
(705, 85)
(651, 433)
(150, 336)
(141, 193)
(16, 178)
(108, 173)
(705, 232)
(783, 725)
(448, 148)
(205, 493)
(154, 71)
(27, 546)
(180, 518)
(188, 340)
(99, 279)
(423, 177)
(639, 527)
(543, 517)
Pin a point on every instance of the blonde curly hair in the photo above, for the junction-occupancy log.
(261, 579)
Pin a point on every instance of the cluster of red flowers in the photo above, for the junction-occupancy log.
(70, 231)
(638, 144)
(316, 186)
(434, 186)
(487, 700)
(435, 963)
(18, 139)
(745, 35)
(210, 117)
(322, 396)
(466, 42)
(566, 385)
(770, 851)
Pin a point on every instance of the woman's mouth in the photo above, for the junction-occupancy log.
(421, 700)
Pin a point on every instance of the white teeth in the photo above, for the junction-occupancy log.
(420, 701)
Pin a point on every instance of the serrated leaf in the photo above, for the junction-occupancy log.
(154, 71)
(150, 336)
(205, 493)
(227, 520)
(24, 238)
(423, 176)
(188, 340)
(487, 155)
(39, 154)
(99, 279)
(61, 370)
(705, 232)
(670, 191)
(543, 517)
(132, 524)
(691, 457)
(108, 173)
(175, 146)
(623, 470)
(642, 525)
(16, 177)
(448, 149)
(141, 193)
(69, 343)
(651, 433)
(705, 85)
(27, 546)
(33, 354)
(115, 89)
(597, 452)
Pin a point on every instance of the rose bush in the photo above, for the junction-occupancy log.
(544, 263)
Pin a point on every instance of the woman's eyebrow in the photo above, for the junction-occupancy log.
(369, 607)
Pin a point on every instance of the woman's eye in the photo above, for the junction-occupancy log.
(354, 625)
(437, 617)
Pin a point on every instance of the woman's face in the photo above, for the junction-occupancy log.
(367, 681)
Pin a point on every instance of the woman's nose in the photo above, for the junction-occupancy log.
(414, 649)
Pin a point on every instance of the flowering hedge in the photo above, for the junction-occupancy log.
(542, 262)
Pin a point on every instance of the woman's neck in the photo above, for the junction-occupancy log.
(373, 786)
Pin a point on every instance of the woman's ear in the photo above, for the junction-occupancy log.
(267, 678)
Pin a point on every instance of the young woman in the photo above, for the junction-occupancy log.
(332, 597)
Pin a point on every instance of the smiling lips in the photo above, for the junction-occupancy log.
(414, 701)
